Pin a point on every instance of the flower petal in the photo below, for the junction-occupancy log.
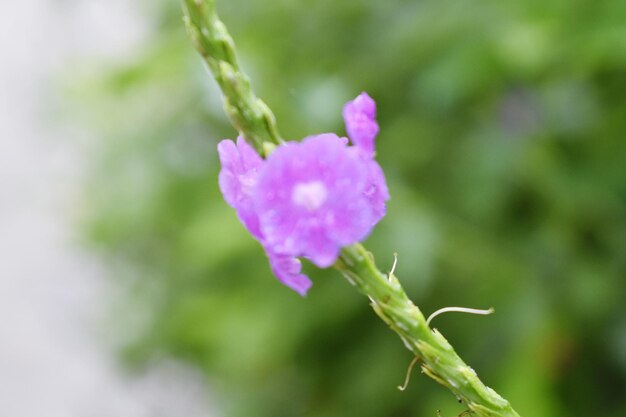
(288, 270)
(359, 115)
(238, 178)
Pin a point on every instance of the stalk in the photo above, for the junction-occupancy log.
(438, 359)
(249, 115)
(256, 122)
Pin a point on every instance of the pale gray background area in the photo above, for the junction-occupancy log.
(55, 360)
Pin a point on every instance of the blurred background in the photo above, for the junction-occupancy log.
(130, 289)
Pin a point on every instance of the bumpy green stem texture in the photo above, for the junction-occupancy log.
(250, 115)
(257, 124)
(439, 360)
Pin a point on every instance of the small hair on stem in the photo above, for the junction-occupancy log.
(407, 378)
(393, 267)
(459, 310)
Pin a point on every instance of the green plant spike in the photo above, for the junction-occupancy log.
(256, 122)
(439, 360)
(250, 115)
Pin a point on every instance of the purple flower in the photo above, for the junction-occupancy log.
(310, 198)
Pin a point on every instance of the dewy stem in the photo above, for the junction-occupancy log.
(250, 115)
(257, 124)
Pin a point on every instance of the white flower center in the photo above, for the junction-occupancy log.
(310, 195)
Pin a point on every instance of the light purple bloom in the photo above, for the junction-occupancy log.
(359, 115)
(311, 199)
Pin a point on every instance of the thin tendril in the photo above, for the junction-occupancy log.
(393, 267)
(408, 374)
(459, 310)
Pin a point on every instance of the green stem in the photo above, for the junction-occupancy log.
(249, 114)
(439, 360)
(257, 124)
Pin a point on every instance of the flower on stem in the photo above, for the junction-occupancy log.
(311, 198)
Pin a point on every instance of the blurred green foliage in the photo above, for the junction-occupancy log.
(503, 131)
